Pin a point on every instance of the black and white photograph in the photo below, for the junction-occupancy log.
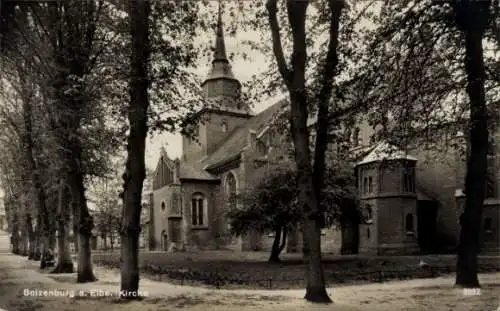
(271, 155)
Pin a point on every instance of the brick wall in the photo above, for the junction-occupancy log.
(211, 134)
(160, 223)
(440, 173)
(490, 240)
(200, 237)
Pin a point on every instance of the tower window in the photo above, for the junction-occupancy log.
(367, 233)
(368, 185)
(355, 137)
(162, 206)
(224, 126)
(409, 223)
(368, 214)
(408, 179)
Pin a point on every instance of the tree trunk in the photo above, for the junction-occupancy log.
(64, 261)
(15, 238)
(43, 223)
(315, 290)
(473, 18)
(24, 242)
(84, 228)
(279, 244)
(75, 230)
(32, 238)
(13, 223)
(310, 181)
(37, 244)
(135, 170)
(275, 250)
(104, 238)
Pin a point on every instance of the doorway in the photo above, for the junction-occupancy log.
(426, 223)
(350, 239)
(164, 240)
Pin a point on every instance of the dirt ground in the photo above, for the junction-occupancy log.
(22, 285)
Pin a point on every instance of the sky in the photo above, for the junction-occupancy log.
(243, 71)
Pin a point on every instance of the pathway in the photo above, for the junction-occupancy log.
(22, 288)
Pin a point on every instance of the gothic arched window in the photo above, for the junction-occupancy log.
(368, 214)
(230, 187)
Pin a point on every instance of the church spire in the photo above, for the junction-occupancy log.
(220, 82)
(220, 46)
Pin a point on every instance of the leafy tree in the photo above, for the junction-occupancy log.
(272, 204)
(309, 176)
(268, 207)
(139, 12)
(473, 20)
(104, 192)
(154, 27)
(435, 64)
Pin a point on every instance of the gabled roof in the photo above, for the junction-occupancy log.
(385, 151)
(194, 171)
(237, 139)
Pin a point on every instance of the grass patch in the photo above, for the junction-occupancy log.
(230, 270)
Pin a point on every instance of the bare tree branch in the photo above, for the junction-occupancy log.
(272, 8)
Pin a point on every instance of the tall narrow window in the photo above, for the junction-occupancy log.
(198, 210)
(491, 182)
(370, 184)
(490, 186)
(224, 126)
(230, 193)
(409, 223)
(355, 138)
(408, 180)
(367, 214)
(365, 185)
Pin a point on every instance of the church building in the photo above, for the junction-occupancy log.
(410, 204)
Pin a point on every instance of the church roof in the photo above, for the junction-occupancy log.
(385, 151)
(194, 171)
(237, 139)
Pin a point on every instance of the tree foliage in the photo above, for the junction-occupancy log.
(272, 205)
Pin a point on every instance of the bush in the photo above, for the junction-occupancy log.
(289, 274)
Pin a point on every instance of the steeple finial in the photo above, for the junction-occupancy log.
(220, 47)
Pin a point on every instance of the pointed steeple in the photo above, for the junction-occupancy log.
(220, 46)
(220, 82)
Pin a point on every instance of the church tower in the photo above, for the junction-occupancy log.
(223, 109)
(221, 87)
